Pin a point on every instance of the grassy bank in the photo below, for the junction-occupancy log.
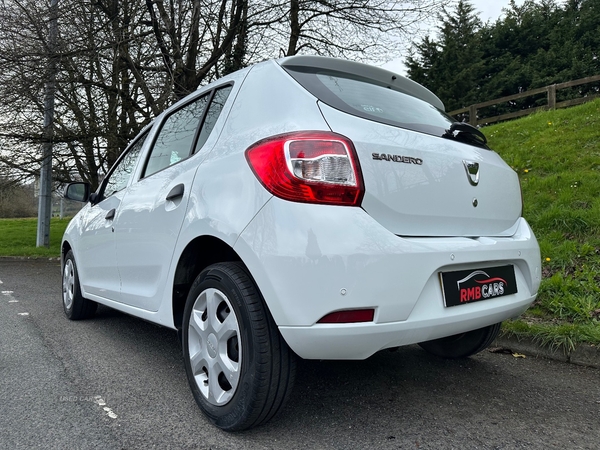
(18, 237)
(557, 156)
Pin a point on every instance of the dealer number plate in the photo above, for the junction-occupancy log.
(468, 286)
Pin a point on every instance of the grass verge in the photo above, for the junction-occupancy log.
(557, 156)
(18, 237)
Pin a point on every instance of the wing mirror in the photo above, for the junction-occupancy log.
(79, 192)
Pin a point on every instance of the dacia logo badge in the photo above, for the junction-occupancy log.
(472, 169)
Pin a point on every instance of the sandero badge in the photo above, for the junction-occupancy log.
(467, 286)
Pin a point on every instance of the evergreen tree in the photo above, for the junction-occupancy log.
(451, 67)
(534, 44)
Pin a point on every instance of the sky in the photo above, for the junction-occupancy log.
(487, 9)
(491, 9)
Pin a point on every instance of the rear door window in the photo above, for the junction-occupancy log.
(174, 141)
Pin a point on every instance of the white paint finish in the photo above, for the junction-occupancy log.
(143, 252)
(95, 254)
(23, 314)
(142, 274)
(436, 197)
(304, 256)
(270, 103)
(359, 341)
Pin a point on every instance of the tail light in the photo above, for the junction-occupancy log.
(309, 167)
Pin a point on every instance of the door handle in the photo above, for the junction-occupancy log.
(110, 215)
(176, 192)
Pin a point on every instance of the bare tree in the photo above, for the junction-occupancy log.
(123, 61)
(194, 37)
(356, 29)
(16, 200)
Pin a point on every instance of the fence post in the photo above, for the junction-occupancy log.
(552, 96)
(473, 115)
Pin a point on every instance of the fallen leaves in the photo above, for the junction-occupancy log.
(506, 351)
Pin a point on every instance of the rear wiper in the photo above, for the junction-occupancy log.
(467, 133)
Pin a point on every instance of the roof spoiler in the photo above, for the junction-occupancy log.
(381, 76)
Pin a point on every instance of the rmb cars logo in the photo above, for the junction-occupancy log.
(478, 285)
(465, 286)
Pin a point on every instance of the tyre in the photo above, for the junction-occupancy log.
(239, 368)
(76, 307)
(464, 344)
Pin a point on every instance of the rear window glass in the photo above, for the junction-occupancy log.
(368, 99)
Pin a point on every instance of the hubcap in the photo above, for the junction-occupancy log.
(214, 346)
(68, 284)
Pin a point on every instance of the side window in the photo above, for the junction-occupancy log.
(121, 174)
(214, 111)
(174, 141)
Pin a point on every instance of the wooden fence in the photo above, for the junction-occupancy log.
(551, 96)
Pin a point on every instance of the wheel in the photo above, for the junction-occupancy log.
(464, 344)
(239, 368)
(76, 307)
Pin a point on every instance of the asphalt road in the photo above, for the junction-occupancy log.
(118, 382)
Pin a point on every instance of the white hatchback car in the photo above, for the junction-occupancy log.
(306, 206)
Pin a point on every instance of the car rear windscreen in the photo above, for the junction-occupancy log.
(371, 100)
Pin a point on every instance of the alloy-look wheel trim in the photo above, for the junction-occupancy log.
(68, 284)
(214, 346)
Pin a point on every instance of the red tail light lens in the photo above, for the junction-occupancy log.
(309, 167)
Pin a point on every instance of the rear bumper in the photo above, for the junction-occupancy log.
(359, 341)
(310, 260)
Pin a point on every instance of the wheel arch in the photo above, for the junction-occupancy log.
(65, 247)
(200, 253)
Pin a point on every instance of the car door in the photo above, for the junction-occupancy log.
(154, 207)
(96, 255)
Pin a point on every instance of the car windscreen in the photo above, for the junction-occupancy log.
(371, 100)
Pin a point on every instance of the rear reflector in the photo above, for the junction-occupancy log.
(352, 316)
(309, 167)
